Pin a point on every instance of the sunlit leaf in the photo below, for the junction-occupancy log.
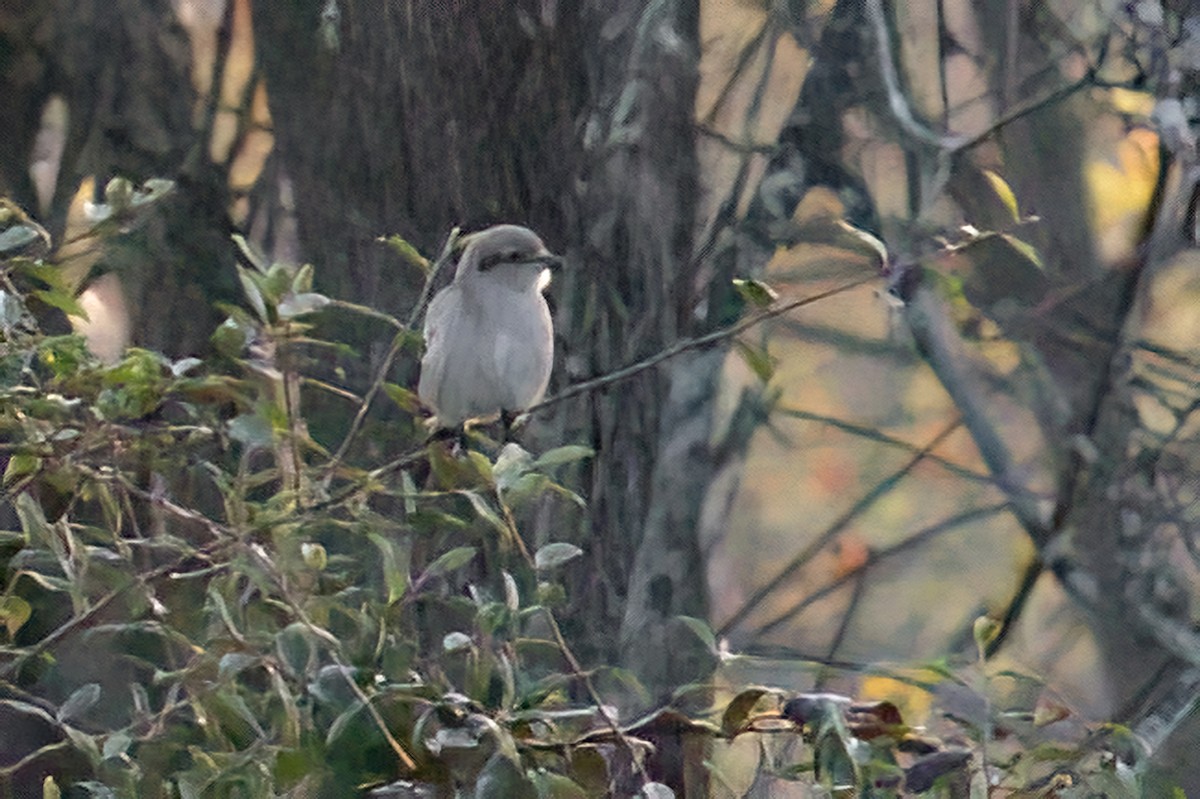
(405, 399)
(737, 712)
(20, 464)
(408, 252)
(1026, 249)
(863, 241)
(314, 555)
(985, 630)
(485, 511)
(14, 612)
(511, 465)
(758, 359)
(1004, 193)
(755, 292)
(512, 595)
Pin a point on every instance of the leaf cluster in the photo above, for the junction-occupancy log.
(207, 589)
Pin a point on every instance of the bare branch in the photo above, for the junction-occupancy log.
(881, 489)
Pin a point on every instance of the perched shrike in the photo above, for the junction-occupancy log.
(489, 342)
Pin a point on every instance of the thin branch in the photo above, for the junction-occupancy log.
(880, 490)
(897, 101)
(336, 654)
(942, 347)
(398, 341)
(874, 434)
(686, 345)
(874, 557)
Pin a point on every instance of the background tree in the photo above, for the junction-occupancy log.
(669, 148)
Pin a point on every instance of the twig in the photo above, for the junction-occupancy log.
(870, 498)
(578, 672)
(397, 344)
(685, 345)
(874, 434)
(949, 142)
(874, 557)
(335, 654)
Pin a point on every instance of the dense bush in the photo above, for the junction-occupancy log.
(206, 592)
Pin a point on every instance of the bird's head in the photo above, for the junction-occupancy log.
(510, 255)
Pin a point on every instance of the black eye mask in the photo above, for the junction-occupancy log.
(510, 257)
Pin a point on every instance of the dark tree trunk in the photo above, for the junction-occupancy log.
(577, 120)
(122, 69)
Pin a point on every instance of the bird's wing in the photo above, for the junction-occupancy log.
(438, 317)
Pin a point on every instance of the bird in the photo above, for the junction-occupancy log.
(489, 337)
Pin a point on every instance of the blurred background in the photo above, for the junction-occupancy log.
(989, 407)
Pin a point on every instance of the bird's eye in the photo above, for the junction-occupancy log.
(513, 255)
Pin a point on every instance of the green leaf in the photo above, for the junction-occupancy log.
(50, 789)
(20, 464)
(1004, 193)
(116, 744)
(295, 648)
(63, 301)
(449, 561)
(511, 465)
(555, 786)
(299, 304)
(737, 712)
(555, 554)
(251, 430)
(409, 253)
(1027, 250)
(985, 630)
(233, 663)
(485, 511)
(395, 566)
(755, 292)
(702, 631)
(81, 700)
(759, 360)
(560, 455)
(302, 281)
(14, 612)
(249, 252)
(405, 399)
(253, 293)
(314, 555)
(229, 339)
(501, 778)
(342, 723)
